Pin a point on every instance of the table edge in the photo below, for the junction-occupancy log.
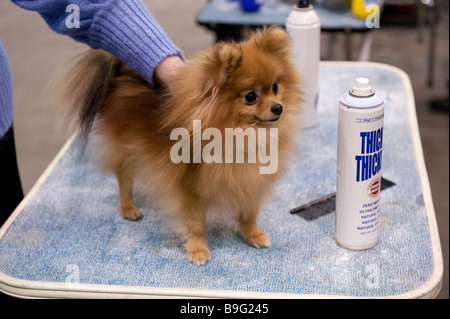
(38, 289)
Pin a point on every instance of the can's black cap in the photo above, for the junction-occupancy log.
(303, 3)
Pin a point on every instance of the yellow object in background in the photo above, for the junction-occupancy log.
(359, 9)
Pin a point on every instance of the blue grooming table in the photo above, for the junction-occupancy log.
(67, 238)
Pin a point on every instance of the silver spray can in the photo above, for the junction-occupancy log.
(303, 28)
(360, 144)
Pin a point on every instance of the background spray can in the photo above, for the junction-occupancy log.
(303, 28)
(360, 143)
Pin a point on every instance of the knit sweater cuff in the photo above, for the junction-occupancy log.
(130, 32)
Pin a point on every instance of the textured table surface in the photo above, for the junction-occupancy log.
(67, 237)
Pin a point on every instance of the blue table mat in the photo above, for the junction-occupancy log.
(73, 220)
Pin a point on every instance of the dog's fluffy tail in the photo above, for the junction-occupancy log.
(85, 86)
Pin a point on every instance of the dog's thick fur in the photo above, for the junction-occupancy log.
(134, 122)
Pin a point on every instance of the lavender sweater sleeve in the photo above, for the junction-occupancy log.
(6, 93)
(123, 27)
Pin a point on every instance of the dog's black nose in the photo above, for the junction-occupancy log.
(276, 109)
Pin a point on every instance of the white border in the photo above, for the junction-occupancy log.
(37, 289)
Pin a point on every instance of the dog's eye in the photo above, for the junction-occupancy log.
(251, 97)
(275, 88)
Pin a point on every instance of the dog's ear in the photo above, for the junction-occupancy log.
(223, 59)
(273, 40)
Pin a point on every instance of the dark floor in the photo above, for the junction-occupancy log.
(36, 53)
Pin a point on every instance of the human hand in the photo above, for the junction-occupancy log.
(167, 69)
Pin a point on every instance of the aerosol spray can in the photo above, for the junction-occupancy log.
(303, 28)
(360, 144)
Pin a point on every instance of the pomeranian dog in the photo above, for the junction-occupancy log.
(251, 84)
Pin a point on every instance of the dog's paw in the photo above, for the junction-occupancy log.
(199, 256)
(197, 251)
(131, 213)
(258, 239)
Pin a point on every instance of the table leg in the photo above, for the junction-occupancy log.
(348, 44)
(364, 53)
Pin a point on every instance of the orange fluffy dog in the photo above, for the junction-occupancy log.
(251, 84)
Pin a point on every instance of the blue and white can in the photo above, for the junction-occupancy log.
(360, 145)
